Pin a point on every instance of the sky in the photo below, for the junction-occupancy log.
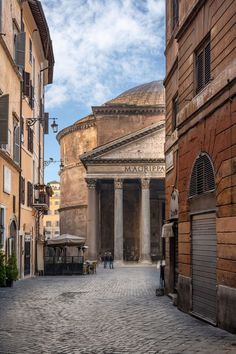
(102, 48)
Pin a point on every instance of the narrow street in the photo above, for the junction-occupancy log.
(113, 311)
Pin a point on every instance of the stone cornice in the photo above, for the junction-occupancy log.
(122, 161)
(128, 109)
(7, 158)
(75, 127)
(91, 155)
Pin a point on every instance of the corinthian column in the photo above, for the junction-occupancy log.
(92, 219)
(145, 237)
(118, 221)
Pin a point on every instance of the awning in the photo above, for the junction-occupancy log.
(167, 230)
(66, 240)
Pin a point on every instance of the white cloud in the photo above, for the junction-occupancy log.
(99, 44)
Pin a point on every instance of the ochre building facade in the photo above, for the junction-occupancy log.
(200, 154)
(26, 68)
(112, 182)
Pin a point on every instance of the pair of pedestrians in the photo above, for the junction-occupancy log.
(108, 260)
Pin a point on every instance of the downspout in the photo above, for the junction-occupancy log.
(20, 163)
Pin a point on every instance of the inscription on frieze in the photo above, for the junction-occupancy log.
(144, 169)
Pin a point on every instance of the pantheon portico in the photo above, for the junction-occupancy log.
(112, 183)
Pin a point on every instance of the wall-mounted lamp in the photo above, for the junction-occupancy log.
(31, 121)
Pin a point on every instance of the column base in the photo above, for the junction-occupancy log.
(119, 263)
(145, 261)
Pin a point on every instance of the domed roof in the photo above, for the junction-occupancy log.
(150, 94)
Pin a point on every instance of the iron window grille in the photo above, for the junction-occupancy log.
(202, 178)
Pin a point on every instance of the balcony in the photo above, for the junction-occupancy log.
(42, 194)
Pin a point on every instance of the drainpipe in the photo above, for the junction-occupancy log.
(20, 163)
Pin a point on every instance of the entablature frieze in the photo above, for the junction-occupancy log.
(127, 171)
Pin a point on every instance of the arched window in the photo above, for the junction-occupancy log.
(202, 179)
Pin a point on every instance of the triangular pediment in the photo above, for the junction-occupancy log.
(144, 144)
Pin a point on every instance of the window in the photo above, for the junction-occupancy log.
(57, 202)
(175, 13)
(4, 114)
(16, 144)
(30, 140)
(56, 212)
(31, 96)
(48, 223)
(22, 189)
(57, 223)
(30, 51)
(19, 42)
(203, 65)
(202, 178)
(22, 129)
(2, 227)
(29, 194)
(56, 233)
(174, 112)
(26, 83)
(6, 180)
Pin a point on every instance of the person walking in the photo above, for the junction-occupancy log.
(105, 259)
(111, 261)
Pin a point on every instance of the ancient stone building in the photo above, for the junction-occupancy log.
(201, 158)
(112, 182)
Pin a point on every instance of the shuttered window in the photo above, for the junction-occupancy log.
(20, 49)
(175, 13)
(203, 65)
(31, 96)
(29, 194)
(26, 84)
(45, 123)
(4, 114)
(16, 144)
(202, 179)
(30, 51)
(30, 140)
(22, 188)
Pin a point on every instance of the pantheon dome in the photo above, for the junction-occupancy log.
(112, 182)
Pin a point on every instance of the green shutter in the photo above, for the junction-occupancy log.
(4, 113)
(20, 50)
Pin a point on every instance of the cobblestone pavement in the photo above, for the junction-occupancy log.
(115, 311)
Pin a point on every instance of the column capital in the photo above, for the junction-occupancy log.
(145, 183)
(118, 183)
(91, 182)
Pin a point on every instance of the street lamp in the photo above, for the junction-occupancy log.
(31, 121)
(54, 126)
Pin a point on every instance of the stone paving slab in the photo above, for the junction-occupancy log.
(111, 312)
